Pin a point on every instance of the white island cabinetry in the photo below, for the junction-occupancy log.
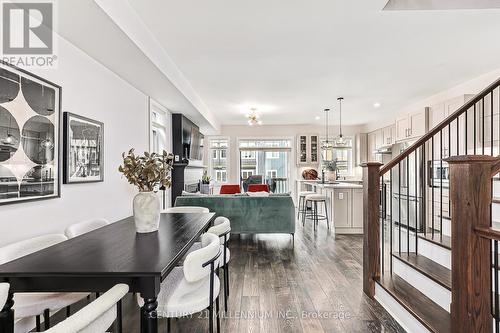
(345, 205)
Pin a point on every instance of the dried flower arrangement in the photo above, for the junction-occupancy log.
(147, 172)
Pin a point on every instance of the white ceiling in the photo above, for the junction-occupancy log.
(292, 58)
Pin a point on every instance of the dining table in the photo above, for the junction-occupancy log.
(102, 258)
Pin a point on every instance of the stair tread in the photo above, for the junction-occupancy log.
(428, 267)
(438, 239)
(431, 315)
(496, 200)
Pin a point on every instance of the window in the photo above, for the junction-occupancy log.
(343, 155)
(272, 154)
(220, 176)
(246, 173)
(271, 173)
(248, 155)
(268, 159)
(218, 164)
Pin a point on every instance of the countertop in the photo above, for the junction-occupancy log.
(334, 185)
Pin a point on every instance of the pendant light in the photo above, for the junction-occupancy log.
(340, 141)
(327, 146)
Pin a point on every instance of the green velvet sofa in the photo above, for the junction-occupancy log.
(248, 214)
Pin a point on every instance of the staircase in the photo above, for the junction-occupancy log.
(430, 254)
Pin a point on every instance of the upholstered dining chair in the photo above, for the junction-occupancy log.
(81, 228)
(187, 209)
(258, 188)
(222, 229)
(4, 293)
(35, 304)
(96, 317)
(193, 287)
(230, 189)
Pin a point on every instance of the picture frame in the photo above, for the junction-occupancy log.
(83, 149)
(30, 136)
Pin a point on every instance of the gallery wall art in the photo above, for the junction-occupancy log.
(83, 151)
(30, 112)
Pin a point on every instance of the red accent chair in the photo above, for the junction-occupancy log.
(230, 189)
(258, 188)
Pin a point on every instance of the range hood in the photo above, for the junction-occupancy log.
(383, 150)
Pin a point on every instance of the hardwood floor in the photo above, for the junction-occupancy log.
(313, 286)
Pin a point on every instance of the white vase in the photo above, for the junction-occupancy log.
(146, 212)
(331, 176)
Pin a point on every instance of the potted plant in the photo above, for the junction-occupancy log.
(205, 183)
(147, 173)
(330, 168)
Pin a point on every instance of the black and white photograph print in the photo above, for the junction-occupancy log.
(29, 136)
(83, 151)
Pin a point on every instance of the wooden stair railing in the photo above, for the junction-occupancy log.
(434, 131)
(469, 131)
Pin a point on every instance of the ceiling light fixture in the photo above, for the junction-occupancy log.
(317, 117)
(327, 146)
(376, 105)
(340, 141)
(253, 118)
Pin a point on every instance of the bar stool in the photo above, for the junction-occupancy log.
(302, 207)
(314, 199)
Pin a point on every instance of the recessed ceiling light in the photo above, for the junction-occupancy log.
(317, 117)
(376, 105)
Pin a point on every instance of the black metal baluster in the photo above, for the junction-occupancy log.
(431, 171)
(407, 204)
(423, 189)
(491, 122)
(482, 126)
(441, 186)
(449, 140)
(458, 136)
(495, 289)
(392, 220)
(466, 129)
(399, 206)
(474, 139)
(382, 200)
(416, 200)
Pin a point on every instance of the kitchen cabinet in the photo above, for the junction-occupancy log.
(453, 144)
(361, 146)
(307, 149)
(372, 147)
(342, 208)
(388, 138)
(357, 208)
(412, 125)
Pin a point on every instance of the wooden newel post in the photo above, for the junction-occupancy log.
(371, 226)
(470, 196)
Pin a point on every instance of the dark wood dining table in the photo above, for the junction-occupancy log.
(96, 261)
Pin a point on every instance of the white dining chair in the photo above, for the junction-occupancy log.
(187, 209)
(81, 228)
(4, 293)
(35, 304)
(222, 229)
(193, 287)
(97, 316)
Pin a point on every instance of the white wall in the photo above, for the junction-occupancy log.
(473, 86)
(91, 90)
(241, 131)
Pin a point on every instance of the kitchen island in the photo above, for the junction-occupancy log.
(345, 204)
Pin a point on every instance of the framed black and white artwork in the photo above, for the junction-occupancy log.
(83, 151)
(30, 112)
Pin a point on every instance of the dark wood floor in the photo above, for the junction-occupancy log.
(313, 285)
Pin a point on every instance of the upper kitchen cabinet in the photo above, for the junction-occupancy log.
(446, 145)
(307, 149)
(412, 125)
(388, 138)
